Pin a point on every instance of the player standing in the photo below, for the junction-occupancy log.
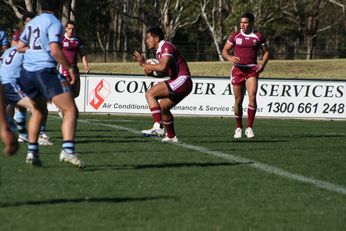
(163, 96)
(245, 71)
(10, 72)
(20, 115)
(41, 41)
(71, 47)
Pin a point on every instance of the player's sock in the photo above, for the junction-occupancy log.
(11, 123)
(156, 114)
(251, 112)
(68, 146)
(20, 118)
(33, 147)
(43, 128)
(169, 125)
(239, 119)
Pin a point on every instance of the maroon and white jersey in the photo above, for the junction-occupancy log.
(70, 48)
(16, 35)
(246, 46)
(178, 66)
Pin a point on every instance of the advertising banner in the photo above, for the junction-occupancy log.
(212, 96)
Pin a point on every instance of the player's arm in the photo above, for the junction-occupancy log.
(162, 66)
(82, 53)
(9, 139)
(21, 46)
(60, 58)
(226, 53)
(265, 58)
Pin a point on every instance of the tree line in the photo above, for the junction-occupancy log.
(115, 28)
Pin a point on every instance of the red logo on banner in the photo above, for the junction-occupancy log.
(99, 94)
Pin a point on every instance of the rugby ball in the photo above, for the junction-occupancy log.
(155, 73)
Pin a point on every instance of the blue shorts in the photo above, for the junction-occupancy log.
(46, 82)
(13, 93)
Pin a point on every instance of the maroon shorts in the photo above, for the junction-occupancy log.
(179, 88)
(240, 74)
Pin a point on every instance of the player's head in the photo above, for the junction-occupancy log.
(27, 17)
(154, 36)
(70, 28)
(247, 22)
(49, 5)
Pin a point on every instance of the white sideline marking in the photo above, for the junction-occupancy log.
(252, 163)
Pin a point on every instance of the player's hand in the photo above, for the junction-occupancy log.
(139, 58)
(10, 141)
(234, 60)
(259, 68)
(86, 69)
(148, 72)
(73, 75)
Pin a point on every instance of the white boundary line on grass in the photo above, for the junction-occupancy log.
(252, 163)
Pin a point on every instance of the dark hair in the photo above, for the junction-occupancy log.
(70, 22)
(28, 14)
(50, 5)
(248, 16)
(156, 31)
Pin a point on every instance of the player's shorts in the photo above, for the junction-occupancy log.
(240, 74)
(66, 73)
(179, 88)
(13, 93)
(75, 88)
(46, 82)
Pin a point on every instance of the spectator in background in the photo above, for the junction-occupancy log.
(245, 71)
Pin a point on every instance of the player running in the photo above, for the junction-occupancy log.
(245, 71)
(163, 96)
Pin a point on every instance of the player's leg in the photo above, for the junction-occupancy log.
(9, 109)
(20, 118)
(75, 88)
(36, 106)
(158, 91)
(251, 87)
(66, 103)
(177, 89)
(168, 120)
(43, 138)
(238, 92)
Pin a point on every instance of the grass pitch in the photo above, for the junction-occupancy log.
(290, 177)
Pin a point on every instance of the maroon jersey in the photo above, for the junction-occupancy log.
(246, 46)
(16, 35)
(178, 66)
(70, 48)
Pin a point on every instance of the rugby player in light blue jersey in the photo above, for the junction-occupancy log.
(10, 72)
(4, 43)
(41, 41)
(8, 138)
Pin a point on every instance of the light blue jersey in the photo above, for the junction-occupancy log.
(11, 65)
(3, 38)
(37, 35)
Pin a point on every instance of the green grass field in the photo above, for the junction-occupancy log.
(304, 69)
(290, 177)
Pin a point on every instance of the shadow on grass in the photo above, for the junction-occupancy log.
(94, 141)
(159, 166)
(83, 200)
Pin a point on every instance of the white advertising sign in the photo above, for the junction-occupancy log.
(214, 97)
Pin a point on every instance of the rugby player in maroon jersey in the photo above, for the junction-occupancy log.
(245, 71)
